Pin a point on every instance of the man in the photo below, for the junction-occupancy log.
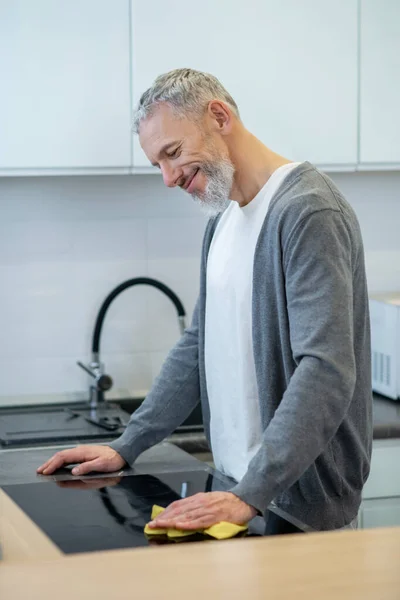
(279, 346)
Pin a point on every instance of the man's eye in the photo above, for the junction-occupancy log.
(174, 154)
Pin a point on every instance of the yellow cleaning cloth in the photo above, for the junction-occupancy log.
(171, 533)
(219, 531)
(156, 510)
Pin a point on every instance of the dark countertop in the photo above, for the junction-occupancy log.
(386, 418)
(386, 422)
(386, 425)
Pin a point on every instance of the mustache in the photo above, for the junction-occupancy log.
(209, 168)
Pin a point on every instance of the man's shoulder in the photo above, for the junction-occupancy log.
(305, 192)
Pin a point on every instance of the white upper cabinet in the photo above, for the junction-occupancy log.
(65, 84)
(380, 82)
(291, 66)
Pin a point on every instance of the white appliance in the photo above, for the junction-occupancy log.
(385, 342)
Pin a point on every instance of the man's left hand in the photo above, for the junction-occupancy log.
(203, 510)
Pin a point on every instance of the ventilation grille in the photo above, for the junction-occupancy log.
(381, 368)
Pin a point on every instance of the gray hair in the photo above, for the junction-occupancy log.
(187, 91)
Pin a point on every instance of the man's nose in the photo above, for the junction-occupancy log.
(170, 175)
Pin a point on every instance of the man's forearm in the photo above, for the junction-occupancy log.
(174, 395)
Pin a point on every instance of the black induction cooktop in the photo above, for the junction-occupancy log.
(106, 514)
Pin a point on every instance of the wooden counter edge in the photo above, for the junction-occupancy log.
(348, 565)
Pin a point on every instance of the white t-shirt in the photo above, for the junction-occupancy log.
(235, 424)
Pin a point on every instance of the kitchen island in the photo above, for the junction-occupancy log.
(352, 565)
(346, 564)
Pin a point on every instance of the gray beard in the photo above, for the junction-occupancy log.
(215, 198)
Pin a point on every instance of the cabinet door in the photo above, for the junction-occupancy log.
(291, 66)
(65, 79)
(380, 513)
(380, 81)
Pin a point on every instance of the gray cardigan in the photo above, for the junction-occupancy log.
(311, 338)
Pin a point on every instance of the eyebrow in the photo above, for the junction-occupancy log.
(165, 148)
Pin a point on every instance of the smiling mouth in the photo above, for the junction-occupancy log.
(188, 183)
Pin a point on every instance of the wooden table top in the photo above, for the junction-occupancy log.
(325, 566)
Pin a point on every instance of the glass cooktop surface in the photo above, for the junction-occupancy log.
(110, 513)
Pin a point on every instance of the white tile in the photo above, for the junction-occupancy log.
(92, 197)
(71, 335)
(164, 329)
(131, 373)
(383, 271)
(182, 276)
(71, 279)
(35, 376)
(175, 238)
(43, 339)
(126, 323)
(33, 241)
(66, 242)
(52, 312)
(367, 186)
(154, 200)
(375, 199)
(101, 240)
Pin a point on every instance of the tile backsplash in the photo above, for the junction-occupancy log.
(66, 242)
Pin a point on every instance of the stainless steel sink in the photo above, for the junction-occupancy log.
(48, 424)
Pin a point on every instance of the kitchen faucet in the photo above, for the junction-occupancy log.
(102, 381)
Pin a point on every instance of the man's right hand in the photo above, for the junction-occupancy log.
(92, 458)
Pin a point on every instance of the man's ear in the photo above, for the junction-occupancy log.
(220, 115)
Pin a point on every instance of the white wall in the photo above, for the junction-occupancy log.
(376, 199)
(65, 242)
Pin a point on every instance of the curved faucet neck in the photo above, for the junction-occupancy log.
(118, 290)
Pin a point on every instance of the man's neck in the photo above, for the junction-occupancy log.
(254, 164)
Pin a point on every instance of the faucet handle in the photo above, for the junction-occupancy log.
(104, 382)
(85, 368)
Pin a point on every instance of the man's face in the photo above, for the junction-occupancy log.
(190, 155)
